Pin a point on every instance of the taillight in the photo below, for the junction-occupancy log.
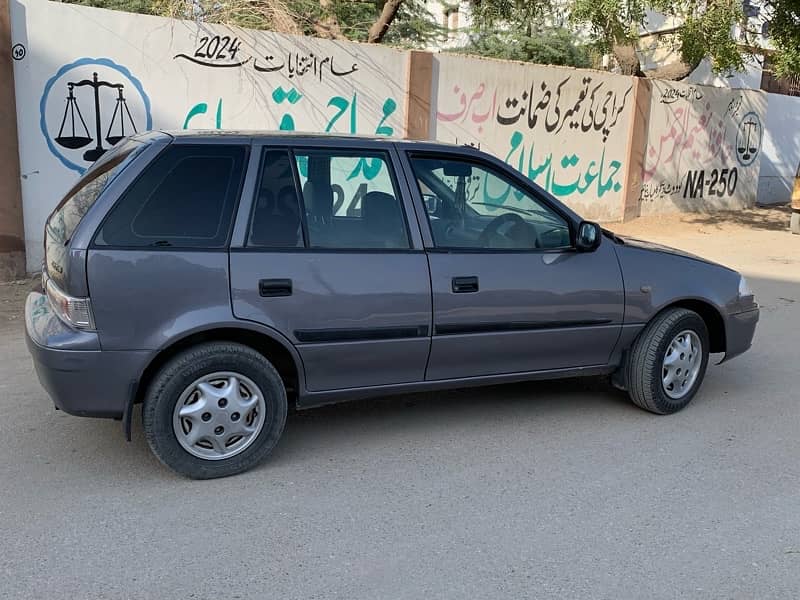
(75, 312)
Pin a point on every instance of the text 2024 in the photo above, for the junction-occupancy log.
(217, 47)
(721, 182)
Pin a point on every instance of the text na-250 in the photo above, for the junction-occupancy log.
(720, 182)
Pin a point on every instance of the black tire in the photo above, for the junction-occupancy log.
(180, 372)
(643, 368)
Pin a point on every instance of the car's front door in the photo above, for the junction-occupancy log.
(323, 253)
(510, 293)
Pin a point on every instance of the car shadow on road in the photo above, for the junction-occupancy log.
(442, 414)
(428, 415)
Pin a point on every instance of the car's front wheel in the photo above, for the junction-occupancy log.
(214, 410)
(667, 362)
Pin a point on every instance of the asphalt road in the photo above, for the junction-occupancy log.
(546, 490)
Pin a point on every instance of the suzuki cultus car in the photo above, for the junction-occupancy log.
(214, 278)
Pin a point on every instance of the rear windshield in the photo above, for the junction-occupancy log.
(77, 202)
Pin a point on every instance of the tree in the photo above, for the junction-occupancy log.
(704, 29)
(528, 30)
(371, 21)
(784, 31)
(543, 45)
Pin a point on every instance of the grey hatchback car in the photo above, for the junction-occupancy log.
(214, 278)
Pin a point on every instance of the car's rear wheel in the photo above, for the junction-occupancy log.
(214, 410)
(667, 362)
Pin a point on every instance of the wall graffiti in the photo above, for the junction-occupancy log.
(346, 110)
(304, 64)
(700, 134)
(565, 176)
(592, 110)
(673, 94)
(599, 112)
(215, 51)
(170, 74)
(469, 107)
(341, 111)
(87, 107)
(223, 51)
(565, 130)
(748, 139)
(703, 148)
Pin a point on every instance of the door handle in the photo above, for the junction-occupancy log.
(464, 285)
(270, 288)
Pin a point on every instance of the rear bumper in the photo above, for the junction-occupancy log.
(80, 378)
(739, 332)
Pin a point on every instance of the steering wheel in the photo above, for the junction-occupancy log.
(499, 232)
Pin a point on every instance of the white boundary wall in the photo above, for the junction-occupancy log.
(177, 74)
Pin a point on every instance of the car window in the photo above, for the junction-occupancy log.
(350, 200)
(77, 202)
(276, 219)
(471, 205)
(185, 198)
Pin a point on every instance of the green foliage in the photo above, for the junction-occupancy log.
(549, 46)
(513, 14)
(707, 33)
(784, 30)
(414, 27)
(134, 6)
(508, 28)
(610, 21)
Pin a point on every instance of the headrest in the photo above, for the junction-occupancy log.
(381, 208)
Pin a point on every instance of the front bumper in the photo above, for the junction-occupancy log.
(739, 331)
(80, 378)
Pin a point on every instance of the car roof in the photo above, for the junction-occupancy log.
(295, 136)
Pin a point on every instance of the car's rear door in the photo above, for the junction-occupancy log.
(323, 253)
(510, 293)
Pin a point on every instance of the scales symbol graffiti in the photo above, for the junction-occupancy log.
(121, 110)
(748, 139)
(82, 128)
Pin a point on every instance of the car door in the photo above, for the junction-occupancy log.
(510, 292)
(323, 253)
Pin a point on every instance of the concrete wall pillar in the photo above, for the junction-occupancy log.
(418, 95)
(637, 146)
(12, 231)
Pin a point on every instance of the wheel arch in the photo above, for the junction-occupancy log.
(711, 315)
(278, 351)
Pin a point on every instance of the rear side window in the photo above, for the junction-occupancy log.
(76, 203)
(184, 199)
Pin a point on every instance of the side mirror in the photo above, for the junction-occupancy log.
(589, 236)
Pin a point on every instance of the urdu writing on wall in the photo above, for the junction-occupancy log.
(566, 130)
